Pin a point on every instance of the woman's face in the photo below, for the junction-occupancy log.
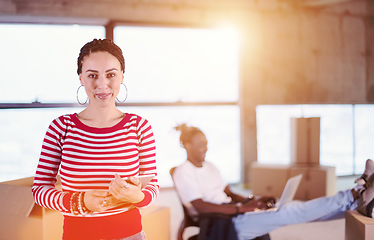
(101, 77)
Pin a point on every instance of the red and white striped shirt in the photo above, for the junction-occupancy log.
(87, 158)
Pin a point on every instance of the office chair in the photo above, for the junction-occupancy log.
(202, 221)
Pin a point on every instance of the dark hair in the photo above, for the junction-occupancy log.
(97, 45)
(187, 133)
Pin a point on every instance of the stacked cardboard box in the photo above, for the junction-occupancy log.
(21, 218)
(156, 222)
(270, 180)
(358, 227)
(317, 181)
(305, 141)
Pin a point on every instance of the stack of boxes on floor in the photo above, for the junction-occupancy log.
(317, 181)
(22, 219)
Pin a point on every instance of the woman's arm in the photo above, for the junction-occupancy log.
(147, 161)
(43, 189)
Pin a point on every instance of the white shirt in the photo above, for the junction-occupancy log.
(203, 183)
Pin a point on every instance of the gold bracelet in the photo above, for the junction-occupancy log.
(73, 203)
(81, 207)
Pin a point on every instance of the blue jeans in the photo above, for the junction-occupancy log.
(138, 236)
(319, 209)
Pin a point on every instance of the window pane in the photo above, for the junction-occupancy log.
(364, 132)
(22, 132)
(220, 124)
(174, 64)
(39, 62)
(336, 140)
(274, 132)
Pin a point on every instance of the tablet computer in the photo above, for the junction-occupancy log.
(144, 179)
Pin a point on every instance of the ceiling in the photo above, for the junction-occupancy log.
(318, 3)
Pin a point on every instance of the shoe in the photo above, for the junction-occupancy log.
(369, 170)
(365, 203)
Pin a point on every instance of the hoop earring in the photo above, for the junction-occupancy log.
(125, 97)
(78, 97)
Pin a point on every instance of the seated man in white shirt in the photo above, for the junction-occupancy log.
(202, 190)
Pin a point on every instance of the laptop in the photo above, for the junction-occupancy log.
(288, 194)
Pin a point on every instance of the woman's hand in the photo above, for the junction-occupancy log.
(126, 191)
(99, 200)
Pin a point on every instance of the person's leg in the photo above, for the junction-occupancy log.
(369, 170)
(366, 201)
(249, 226)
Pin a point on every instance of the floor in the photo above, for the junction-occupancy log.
(333, 229)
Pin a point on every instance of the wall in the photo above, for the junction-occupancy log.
(369, 31)
(296, 56)
(290, 54)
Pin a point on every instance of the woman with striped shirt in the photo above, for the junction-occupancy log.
(99, 154)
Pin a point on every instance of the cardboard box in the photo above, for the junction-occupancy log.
(358, 227)
(305, 140)
(156, 222)
(21, 218)
(269, 179)
(317, 181)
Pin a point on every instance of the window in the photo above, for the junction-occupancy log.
(173, 76)
(364, 135)
(345, 140)
(220, 124)
(173, 65)
(43, 65)
(177, 64)
(22, 132)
